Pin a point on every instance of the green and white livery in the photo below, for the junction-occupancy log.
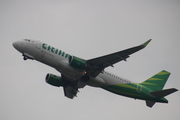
(77, 73)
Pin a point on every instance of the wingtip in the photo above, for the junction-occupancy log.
(146, 43)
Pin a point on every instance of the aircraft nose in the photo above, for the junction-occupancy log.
(15, 45)
(18, 45)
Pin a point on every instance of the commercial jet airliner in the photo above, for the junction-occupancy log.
(77, 72)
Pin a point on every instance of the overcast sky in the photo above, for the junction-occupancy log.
(88, 29)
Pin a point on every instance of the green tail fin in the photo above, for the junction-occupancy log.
(157, 82)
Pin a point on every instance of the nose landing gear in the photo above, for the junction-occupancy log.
(27, 56)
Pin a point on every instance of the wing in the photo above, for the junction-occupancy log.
(97, 65)
(70, 91)
(70, 87)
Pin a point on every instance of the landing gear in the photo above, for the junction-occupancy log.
(83, 81)
(25, 58)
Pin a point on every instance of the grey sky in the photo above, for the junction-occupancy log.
(88, 29)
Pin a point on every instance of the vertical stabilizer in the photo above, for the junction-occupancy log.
(157, 82)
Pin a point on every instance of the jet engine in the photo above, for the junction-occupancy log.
(77, 62)
(54, 80)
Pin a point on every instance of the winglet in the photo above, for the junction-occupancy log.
(146, 43)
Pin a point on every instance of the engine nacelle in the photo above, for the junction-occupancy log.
(77, 62)
(54, 80)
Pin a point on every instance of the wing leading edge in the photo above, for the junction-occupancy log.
(97, 65)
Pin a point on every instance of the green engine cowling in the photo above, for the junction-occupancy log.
(54, 80)
(77, 62)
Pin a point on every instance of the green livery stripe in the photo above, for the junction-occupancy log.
(123, 93)
(163, 73)
(142, 90)
(157, 81)
(138, 93)
(154, 79)
(127, 86)
(145, 83)
(129, 90)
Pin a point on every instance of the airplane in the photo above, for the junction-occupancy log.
(76, 72)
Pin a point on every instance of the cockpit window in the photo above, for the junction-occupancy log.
(27, 40)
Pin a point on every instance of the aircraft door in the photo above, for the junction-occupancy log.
(40, 53)
(139, 88)
(38, 45)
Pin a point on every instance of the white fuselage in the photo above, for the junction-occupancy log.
(59, 60)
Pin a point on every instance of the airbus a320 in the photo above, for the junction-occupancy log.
(77, 72)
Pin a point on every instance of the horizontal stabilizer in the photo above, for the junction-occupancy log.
(163, 93)
(150, 103)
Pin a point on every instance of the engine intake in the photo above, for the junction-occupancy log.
(54, 80)
(77, 62)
